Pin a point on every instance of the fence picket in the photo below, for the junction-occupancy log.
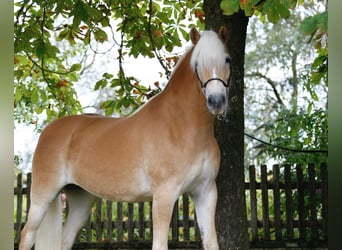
(109, 220)
(324, 188)
(312, 196)
(288, 198)
(276, 201)
(186, 225)
(264, 198)
(253, 203)
(19, 194)
(119, 224)
(98, 220)
(130, 221)
(174, 222)
(300, 200)
(28, 192)
(141, 218)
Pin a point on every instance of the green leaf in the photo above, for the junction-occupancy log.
(39, 109)
(284, 12)
(229, 7)
(115, 82)
(100, 84)
(185, 33)
(34, 96)
(87, 37)
(309, 25)
(76, 67)
(42, 94)
(249, 6)
(107, 75)
(108, 107)
(322, 22)
(17, 94)
(309, 109)
(316, 79)
(100, 35)
(40, 48)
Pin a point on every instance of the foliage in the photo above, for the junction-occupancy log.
(273, 9)
(43, 75)
(284, 80)
(303, 130)
(42, 79)
(317, 28)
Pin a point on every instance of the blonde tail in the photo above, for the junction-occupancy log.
(49, 234)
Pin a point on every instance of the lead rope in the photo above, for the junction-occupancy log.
(224, 118)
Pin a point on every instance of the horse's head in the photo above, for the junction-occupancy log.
(211, 63)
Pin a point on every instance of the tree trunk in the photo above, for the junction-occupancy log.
(231, 218)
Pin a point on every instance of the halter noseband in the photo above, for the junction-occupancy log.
(204, 84)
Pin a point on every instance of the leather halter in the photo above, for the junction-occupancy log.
(204, 84)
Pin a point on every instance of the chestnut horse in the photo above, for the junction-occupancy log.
(164, 149)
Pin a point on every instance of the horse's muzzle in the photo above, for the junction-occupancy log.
(217, 104)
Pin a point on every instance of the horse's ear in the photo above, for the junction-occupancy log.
(194, 35)
(223, 34)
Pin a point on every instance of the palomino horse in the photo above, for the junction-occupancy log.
(164, 149)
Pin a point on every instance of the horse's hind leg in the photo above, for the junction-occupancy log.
(79, 203)
(36, 214)
(41, 199)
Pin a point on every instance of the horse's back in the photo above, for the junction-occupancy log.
(89, 149)
(55, 139)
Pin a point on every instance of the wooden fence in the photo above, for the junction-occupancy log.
(286, 206)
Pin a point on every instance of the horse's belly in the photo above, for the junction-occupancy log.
(131, 186)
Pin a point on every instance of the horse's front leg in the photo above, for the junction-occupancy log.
(205, 199)
(162, 207)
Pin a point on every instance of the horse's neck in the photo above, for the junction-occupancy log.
(184, 93)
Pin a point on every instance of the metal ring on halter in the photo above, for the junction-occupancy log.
(204, 85)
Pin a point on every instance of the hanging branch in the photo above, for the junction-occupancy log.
(121, 69)
(42, 59)
(270, 82)
(150, 12)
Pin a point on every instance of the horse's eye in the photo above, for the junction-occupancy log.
(227, 60)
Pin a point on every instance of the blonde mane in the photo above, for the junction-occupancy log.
(207, 53)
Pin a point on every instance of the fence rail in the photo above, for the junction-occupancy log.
(287, 207)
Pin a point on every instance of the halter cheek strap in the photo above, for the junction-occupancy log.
(204, 84)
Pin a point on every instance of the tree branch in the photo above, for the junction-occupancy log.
(270, 82)
(42, 59)
(167, 71)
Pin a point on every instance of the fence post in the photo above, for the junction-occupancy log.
(288, 195)
(119, 223)
(276, 202)
(312, 195)
(324, 183)
(186, 225)
(264, 197)
(253, 202)
(19, 193)
(300, 200)
(109, 226)
(28, 192)
(174, 222)
(141, 218)
(130, 222)
(98, 224)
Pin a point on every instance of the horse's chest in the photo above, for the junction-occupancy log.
(203, 170)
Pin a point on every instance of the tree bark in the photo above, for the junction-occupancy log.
(231, 218)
